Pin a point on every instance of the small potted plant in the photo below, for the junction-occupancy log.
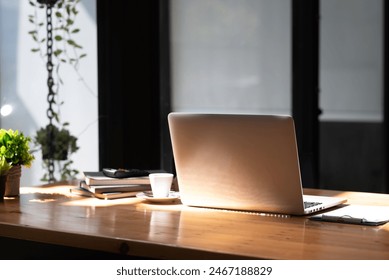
(4, 168)
(15, 151)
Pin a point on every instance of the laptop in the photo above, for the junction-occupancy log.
(240, 162)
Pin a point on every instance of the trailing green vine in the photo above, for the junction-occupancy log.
(66, 49)
(55, 43)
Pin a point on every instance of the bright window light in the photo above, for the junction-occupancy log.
(6, 110)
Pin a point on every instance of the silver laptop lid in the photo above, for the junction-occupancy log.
(241, 162)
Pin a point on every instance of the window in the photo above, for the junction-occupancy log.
(232, 56)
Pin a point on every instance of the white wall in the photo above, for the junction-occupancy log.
(351, 58)
(235, 55)
(230, 55)
(23, 84)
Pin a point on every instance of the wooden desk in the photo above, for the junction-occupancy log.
(130, 227)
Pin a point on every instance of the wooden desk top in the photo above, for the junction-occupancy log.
(130, 226)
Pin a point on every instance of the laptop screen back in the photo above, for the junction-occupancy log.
(241, 162)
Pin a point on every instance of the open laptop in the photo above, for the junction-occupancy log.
(240, 162)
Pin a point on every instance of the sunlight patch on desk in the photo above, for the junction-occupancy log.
(95, 202)
(42, 197)
(364, 198)
(157, 206)
(10, 197)
(42, 200)
(234, 211)
(60, 189)
(62, 193)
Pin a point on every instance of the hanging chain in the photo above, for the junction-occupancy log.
(51, 94)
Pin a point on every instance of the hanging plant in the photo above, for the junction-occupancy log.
(64, 144)
(53, 36)
(65, 48)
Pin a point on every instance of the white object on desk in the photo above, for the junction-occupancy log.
(148, 196)
(161, 184)
(356, 214)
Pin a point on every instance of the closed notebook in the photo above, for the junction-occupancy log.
(109, 195)
(115, 188)
(98, 178)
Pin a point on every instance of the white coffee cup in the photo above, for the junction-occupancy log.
(161, 184)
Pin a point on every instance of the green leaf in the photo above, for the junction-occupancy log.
(58, 14)
(35, 50)
(57, 52)
(76, 30)
(68, 9)
(71, 42)
(83, 55)
(58, 38)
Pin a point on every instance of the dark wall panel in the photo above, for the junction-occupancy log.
(128, 83)
(353, 157)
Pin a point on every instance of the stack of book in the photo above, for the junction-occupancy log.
(98, 185)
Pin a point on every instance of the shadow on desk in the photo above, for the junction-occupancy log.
(15, 249)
